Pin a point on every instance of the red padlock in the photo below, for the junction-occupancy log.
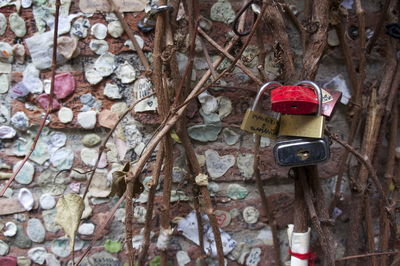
(294, 100)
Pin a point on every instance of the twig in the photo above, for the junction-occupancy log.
(282, 45)
(389, 107)
(317, 41)
(367, 164)
(365, 161)
(208, 59)
(369, 229)
(163, 109)
(188, 69)
(105, 140)
(167, 185)
(312, 212)
(356, 112)
(378, 26)
(130, 188)
(300, 217)
(312, 56)
(306, 21)
(295, 21)
(389, 172)
(372, 126)
(262, 54)
(131, 36)
(94, 169)
(264, 200)
(387, 253)
(68, 171)
(327, 240)
(396, 260)
(186, 143)
(150, 206)
(265, 204)
(181, 127)
(51, 97)
(230, 57)
(100, 229)
(361, 51)
(351, 70)
(195, 170)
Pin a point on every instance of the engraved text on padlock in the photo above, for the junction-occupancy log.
(260, 124)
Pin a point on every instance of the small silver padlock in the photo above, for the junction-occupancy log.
(291, 151)
(301, 152)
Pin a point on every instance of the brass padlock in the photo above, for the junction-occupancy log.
(309, 126)
(258, 123)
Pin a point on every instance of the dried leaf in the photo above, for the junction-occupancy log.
(118, 186)
(69, 211)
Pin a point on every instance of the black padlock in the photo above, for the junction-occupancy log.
(301, 152)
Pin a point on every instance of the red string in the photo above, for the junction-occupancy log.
(310, 256)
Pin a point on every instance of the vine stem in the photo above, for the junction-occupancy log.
(192, 9)
(387, 253)
(150, 206)
(389, 173)
(131, 36)
(163, 109)
(100, 229)
(265, 204)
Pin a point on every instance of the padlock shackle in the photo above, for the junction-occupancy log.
(262, 90)
(317, 90)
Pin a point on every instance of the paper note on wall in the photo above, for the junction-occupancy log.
(188, 227)
(91, 6)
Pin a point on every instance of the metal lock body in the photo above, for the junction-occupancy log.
(302, 126)
(258, 123)
(308, 126)
(295, 100)
(301, 152)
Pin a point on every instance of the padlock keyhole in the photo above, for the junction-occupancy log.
(303, 154)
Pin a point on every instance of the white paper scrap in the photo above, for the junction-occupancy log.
(339, 84)
(188, 227)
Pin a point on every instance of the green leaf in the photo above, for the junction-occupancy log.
(156, 261)
(69, 211)
(175, 137)
(112, 246)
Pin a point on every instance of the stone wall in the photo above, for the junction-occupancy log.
(95, 103)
